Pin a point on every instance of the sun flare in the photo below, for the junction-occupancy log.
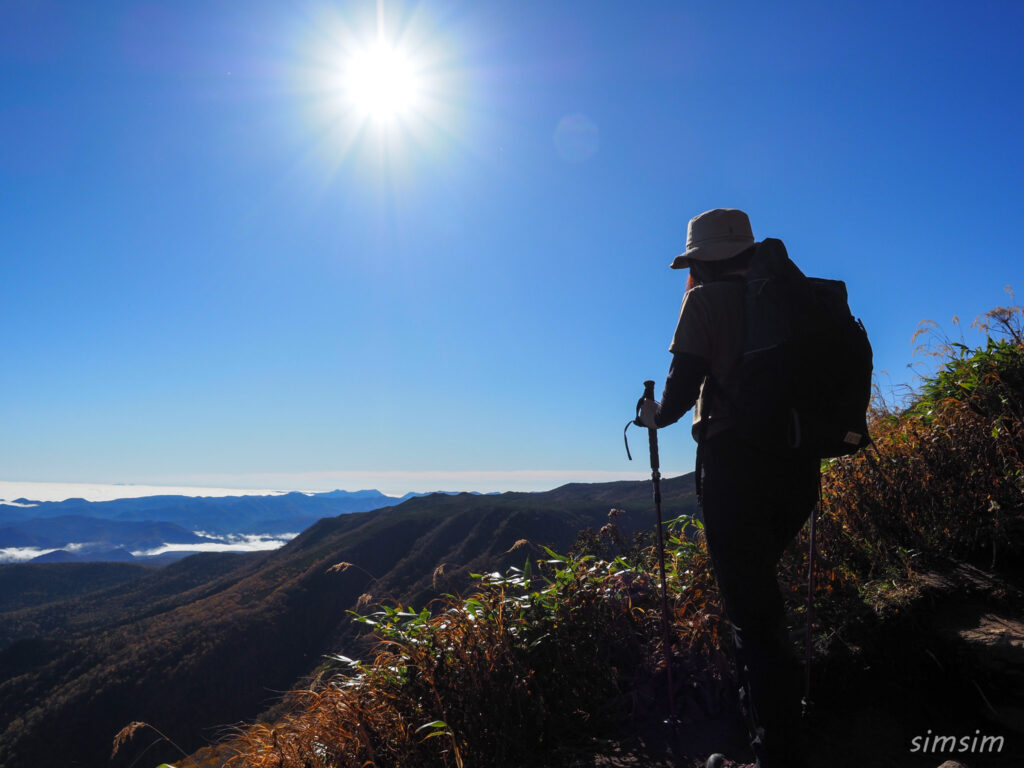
(382, 82)
(385, 95)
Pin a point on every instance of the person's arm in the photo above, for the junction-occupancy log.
(682, 386)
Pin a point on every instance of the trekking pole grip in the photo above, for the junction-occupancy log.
(652, 434)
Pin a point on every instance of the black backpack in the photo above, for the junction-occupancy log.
(804, 378)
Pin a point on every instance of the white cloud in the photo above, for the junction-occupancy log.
(234, 543)
(21, 554)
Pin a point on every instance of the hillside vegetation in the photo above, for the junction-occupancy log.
(32, 584)
(543, 664)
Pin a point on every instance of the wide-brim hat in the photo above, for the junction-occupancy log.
(715, 235)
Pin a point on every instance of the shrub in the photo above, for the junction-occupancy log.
(946, 474)
(528, 670)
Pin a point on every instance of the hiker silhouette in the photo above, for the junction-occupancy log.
(754, 499)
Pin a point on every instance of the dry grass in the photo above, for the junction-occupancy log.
(127, 733)
(528, 670)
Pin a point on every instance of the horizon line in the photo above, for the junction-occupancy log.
(394, 483)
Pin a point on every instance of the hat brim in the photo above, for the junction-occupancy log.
(716, 251)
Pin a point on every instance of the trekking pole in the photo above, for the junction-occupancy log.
(805, 703)
(666, 640)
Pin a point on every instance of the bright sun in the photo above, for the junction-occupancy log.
(385, 92)
(382, 83)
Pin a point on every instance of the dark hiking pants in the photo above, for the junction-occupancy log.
(754, 504)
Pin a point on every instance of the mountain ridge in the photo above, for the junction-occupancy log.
(134, 528)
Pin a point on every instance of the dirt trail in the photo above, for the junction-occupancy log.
(947, 662)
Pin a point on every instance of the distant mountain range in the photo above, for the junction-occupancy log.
(215, 638)
(76, 530)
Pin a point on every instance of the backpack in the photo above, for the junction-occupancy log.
(804, 377)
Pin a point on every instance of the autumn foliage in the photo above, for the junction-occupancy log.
(946, 476)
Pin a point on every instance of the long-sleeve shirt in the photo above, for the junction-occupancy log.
(705, 349)
(685, 377)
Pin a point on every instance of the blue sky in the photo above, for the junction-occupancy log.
(215, 273)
